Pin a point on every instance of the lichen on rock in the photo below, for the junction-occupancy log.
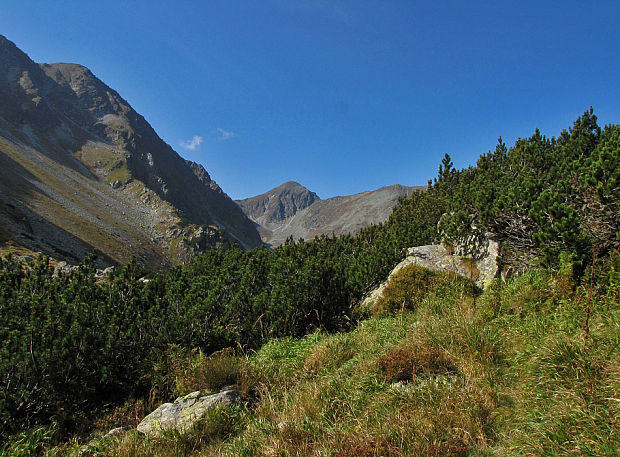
(184, 412)
(481, 269)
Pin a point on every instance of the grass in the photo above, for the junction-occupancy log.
(27, 444)
(181, 371)
(508, 374)
(104, 160)
(566, 388)
(119, 172)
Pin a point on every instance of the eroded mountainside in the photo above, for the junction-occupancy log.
(292, 210)
(82, 171)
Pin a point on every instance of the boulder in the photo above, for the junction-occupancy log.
(99, 274)
(63, 268)
(481, 269)
(184, 412)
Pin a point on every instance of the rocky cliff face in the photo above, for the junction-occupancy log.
(81, 170)
(292, 210)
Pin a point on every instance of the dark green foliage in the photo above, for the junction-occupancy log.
(69, 343)
(598, 184)
(65, 341)
(542, 196)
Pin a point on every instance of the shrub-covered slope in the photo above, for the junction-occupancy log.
(530, 367)
(550, 202)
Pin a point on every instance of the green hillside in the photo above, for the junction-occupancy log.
(527, 367)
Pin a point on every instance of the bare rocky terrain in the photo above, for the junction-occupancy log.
(292, 210)
(81, 171)
(273, 207)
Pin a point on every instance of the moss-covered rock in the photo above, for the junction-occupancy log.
(436, 257)
(184, 412)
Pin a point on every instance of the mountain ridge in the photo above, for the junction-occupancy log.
(87, 172)
(315, 217)
(278, 204)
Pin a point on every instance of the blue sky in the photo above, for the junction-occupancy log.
(341, 96)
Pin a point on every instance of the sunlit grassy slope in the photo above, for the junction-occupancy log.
(523, 369)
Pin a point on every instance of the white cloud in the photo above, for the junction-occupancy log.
(192, 144)
(224, 135)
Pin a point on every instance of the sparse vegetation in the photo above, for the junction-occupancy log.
(105, 161)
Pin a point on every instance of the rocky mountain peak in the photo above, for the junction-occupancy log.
(92, 94)
(278, 204)
(292, 210)
(13, 63)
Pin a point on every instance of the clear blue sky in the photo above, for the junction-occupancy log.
(342, 96)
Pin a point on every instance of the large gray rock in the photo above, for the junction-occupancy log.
(184, 412)
(436, 257)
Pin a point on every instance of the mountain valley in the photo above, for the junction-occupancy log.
(83, 172)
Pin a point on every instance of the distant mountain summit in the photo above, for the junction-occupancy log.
(278, 204)
(292, 210)
(81, 170)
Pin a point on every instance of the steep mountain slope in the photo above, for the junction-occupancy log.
(292, 210)
(276, 205)
(81, 170)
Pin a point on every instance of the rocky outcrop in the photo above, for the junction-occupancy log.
(184, 412)
(436, 257)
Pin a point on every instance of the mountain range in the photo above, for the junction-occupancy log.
(291, 210)
(82, 171)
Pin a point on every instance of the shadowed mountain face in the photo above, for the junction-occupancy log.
(78, 160)
(278, 204)
(292, 210)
